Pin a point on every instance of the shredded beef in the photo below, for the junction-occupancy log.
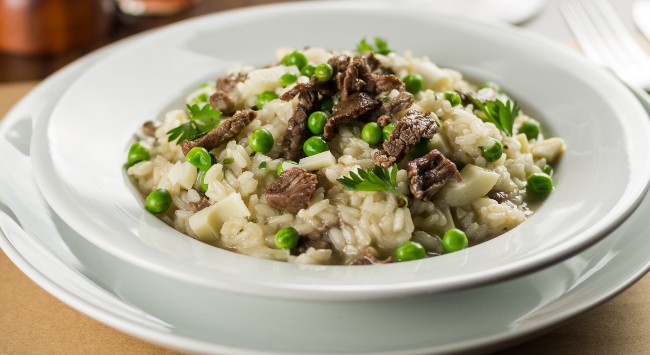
(429, 174)
(407, 132)
(222, 102)
(292, 190)
(149, 129)
(388, 82)
(306, 242)
(347, 110)
(197, 206)
(297, 127)
(369, 258)
(498, 196)
(399, 103)
(327, 88)
(227, 83)
(227, 130)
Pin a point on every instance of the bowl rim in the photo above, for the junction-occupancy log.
(41, 163)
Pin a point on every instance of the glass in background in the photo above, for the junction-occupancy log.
(154, 7)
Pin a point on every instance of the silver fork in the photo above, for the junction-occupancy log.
(604, 39)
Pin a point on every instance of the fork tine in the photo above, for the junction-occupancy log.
(605, 40)
(617, 27)
(581, 28)
(602, 27)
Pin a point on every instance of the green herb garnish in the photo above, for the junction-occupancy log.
(201, 121)
(375, 179)
(381, 46)
(262, 165)
(501, 114)
(227, 161)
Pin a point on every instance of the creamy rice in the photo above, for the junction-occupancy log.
(353, 222)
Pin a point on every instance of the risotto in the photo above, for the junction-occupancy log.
(344, 157)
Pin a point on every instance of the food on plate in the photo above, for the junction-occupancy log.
(344, 157)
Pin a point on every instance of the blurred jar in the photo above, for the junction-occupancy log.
(153, 7)
(52, 26)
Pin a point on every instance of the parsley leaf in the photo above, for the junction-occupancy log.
(201, 121)
(381, 46)
(501, 114)
(375, 179)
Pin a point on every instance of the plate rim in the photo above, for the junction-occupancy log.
(332, 292)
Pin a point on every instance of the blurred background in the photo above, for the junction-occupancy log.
(38, 37)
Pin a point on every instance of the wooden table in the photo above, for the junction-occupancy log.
(32, 321)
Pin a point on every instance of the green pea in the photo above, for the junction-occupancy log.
(421, 148)
(261, 141)
(453, 98)
(286, 165)
(315, 145)
(199, 157)
(202, 183)
(265, 97)
(385, 132)
(409, 251)
(287, 79)
(308, 70)
(287, 238)
(316, 122)
(548, 170)
(137, 153)
(371, 133)
(454, 240)
(530, 128)
(493, 152)
(414, 83)
(539, 185)
(158, 201)
(323, 72)
(326, 104)
(294, 58)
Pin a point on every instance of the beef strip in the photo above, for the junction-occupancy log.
(227, 83)
(407, 132)
(369, 258)
(197, 206)
(349, 109)
(227, 130)
(292, 190)
(306, 242)
(429, 174)
(384, 113)
(339, 64)
(399, 103)
(327, 88)
(297, 127)
(498, 196)
(148, 129)
(384, 83)
(222, 102)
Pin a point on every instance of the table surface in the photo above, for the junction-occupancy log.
(32, 321)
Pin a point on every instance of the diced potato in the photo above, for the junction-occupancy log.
(207, 223)
(476, 183)
(550, 149)
(318, 161)
(523, 140)
(183, 174)
(441, 144)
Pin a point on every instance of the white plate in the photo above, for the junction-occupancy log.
(79, 150)
(186, 317)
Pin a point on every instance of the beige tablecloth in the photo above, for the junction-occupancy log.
(34, 322)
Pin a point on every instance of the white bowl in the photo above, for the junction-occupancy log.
(78, 152)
